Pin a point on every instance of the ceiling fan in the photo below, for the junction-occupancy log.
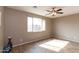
(54, 11)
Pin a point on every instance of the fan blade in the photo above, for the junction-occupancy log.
(48, 14)
(48, 11)
(59, 9)
(59, 12)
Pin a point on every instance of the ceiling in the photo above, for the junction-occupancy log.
(41, 10)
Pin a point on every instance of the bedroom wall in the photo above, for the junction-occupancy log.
(1, 28)
(16, 26)
(66, 27)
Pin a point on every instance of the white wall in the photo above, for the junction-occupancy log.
(16, 26)
(1, 28)
(66, 27)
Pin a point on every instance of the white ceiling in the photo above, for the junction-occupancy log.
(41, 10)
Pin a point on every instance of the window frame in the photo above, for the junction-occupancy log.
(43, 24)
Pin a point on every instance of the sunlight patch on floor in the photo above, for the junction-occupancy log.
(54, 45)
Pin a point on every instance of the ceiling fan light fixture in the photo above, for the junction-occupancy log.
(54, 11)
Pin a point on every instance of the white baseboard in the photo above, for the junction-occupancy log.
(47, 36)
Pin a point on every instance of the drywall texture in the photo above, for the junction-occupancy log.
(16, 26)
(1, 28)
(66, 27)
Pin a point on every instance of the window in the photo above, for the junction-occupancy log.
(35, 24)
